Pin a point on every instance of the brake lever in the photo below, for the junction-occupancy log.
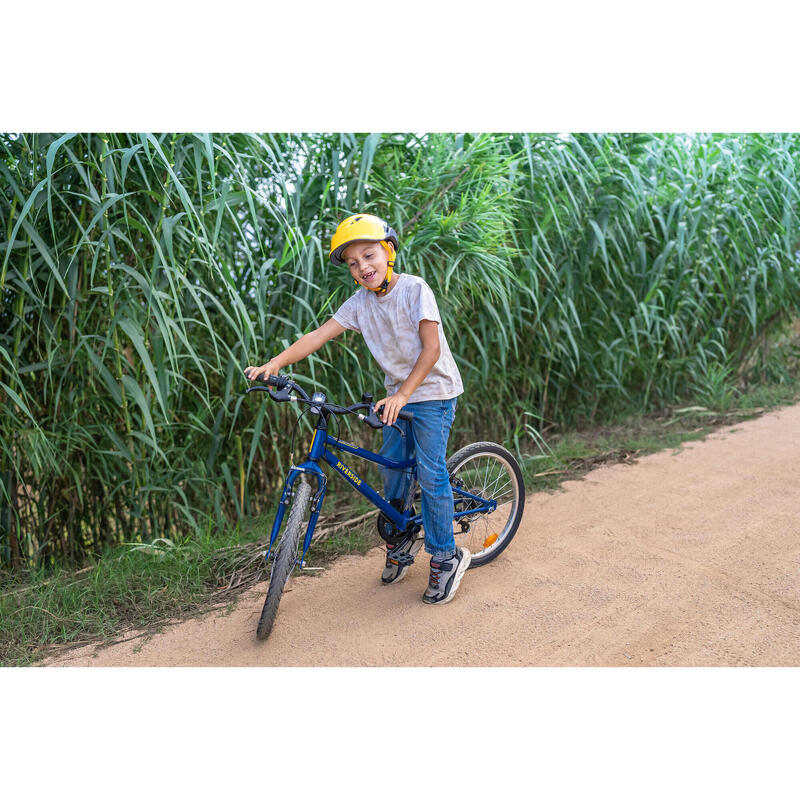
(281, 395)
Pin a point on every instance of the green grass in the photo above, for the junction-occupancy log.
(572, 454)
(140, 587)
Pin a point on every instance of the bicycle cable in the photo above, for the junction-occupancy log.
(297, 426)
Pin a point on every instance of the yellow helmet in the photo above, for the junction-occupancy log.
(361, 228)
(365, 228)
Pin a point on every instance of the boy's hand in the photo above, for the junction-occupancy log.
(391, 407)
(270, 368)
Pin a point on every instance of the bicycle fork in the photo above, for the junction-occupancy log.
(315, 506)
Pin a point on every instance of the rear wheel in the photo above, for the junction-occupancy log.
(491, 472)
(285, 558)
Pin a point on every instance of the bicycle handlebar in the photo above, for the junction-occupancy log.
(286, 385)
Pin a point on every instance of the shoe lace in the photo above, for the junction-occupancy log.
(436, 573)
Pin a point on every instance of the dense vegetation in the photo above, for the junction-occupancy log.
(577, 276)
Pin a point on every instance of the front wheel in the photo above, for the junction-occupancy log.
(285, 559)
(490, 472)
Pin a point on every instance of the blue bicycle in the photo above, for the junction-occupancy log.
(488, 492)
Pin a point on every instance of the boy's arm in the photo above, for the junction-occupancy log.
(429, 334)
(303, 347)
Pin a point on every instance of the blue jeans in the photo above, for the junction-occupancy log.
(426, 438)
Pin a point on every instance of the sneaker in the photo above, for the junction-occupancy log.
(446, 574)
(399, 557)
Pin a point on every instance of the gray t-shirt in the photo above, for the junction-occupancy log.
(390, 327)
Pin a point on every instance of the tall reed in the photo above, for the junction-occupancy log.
(576, 276)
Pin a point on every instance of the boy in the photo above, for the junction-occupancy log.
(399, 319)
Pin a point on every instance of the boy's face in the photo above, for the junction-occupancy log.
(368, 262)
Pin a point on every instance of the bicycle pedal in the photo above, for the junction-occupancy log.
(401, 559)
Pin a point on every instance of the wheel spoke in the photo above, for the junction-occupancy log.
(492, 493)
(496, 495)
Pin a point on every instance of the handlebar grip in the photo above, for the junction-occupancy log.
(278, 381)
(406, 415)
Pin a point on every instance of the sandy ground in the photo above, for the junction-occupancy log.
(685, 558)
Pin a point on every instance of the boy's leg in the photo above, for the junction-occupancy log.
(448, 562)
(395, 485)
(396, 448)
(432, 422)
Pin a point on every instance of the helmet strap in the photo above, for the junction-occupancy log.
(384, 287)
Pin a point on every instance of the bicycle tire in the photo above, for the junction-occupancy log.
(285, 559)
(475, 467)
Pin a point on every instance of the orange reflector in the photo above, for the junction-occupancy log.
(490, 540)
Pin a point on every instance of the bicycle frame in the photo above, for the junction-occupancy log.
(319, 450)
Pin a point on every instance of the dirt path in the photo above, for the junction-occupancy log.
(682, 559)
